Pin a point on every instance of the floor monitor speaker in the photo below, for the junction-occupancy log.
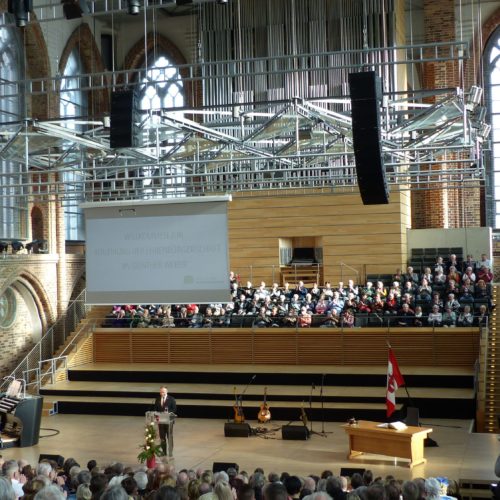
(59, 459)
(295, 432)
(236, 430)
(366, 95)
(350, 471)
(223, 466)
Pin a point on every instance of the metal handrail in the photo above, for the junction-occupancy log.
(51, 340)
(53, 369)
(342, 265)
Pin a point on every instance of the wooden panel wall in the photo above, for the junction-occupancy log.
(371, 238)
(455, 347)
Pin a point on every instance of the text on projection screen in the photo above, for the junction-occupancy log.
(164, 259)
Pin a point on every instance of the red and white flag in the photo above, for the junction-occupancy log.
(394, 380)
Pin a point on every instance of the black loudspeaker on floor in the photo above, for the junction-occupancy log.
(295, 432)
(236, 430)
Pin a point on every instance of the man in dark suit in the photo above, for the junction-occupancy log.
(166, 403)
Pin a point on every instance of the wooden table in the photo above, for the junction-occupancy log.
(366, 437)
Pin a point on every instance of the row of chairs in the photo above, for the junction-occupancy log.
(35, 246)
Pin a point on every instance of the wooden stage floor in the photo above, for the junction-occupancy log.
(200, 442)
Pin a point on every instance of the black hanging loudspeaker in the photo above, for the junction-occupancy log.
(123, 120)
(366, 95)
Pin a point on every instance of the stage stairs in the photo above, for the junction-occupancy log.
(208, 391)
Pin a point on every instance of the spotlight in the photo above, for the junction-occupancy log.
(20, 9)
(222, 2)
(134, 7)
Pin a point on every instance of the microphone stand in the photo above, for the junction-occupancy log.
(323, 432)
(310, 408)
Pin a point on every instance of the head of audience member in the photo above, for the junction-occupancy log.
(367, 477)
(6, 490)
(375, 491)
(275, 491)
(166, 493)
(246, 492)
(83, 492)
(309, 483)
(356, 480)
(432, 489)
(409, 491)
(293, 486)
(222, 490)
(392, 490)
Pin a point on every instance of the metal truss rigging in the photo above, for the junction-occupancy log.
(430, 139)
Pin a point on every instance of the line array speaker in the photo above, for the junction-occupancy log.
(236, 430)
(123, 131)
(366, 95)
(295, 432)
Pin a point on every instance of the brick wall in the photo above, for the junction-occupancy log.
(15, 346)
(437, 207)
(38, 275)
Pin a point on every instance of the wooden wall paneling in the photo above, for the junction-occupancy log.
(112, 348)
(411, 349)
(376, 235)
(275, 346)
(319, 347)
(232, 347)
(364, 347)
(190, 345)
(150, 346)
(452, 347)
(355, 346)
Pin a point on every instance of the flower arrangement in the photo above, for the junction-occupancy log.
(149, 448)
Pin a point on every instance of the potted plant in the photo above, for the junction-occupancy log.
(150, 450)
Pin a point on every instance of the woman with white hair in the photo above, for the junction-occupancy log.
(432, 489)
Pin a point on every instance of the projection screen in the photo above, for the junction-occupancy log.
(157, 252)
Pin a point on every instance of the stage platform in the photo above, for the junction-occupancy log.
(329, 393)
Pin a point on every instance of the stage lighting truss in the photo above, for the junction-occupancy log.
(429, 140)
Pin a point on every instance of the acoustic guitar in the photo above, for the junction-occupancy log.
(239, 418)
(264, 414)
(303, 415)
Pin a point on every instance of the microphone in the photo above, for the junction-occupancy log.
(253, 378)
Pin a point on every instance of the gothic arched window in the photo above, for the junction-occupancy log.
(73, 104)
(161, 87)
(14, 209)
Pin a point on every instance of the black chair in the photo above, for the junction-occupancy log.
(3, 246)
(16, 246)
(361, 319)
(236, 321)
